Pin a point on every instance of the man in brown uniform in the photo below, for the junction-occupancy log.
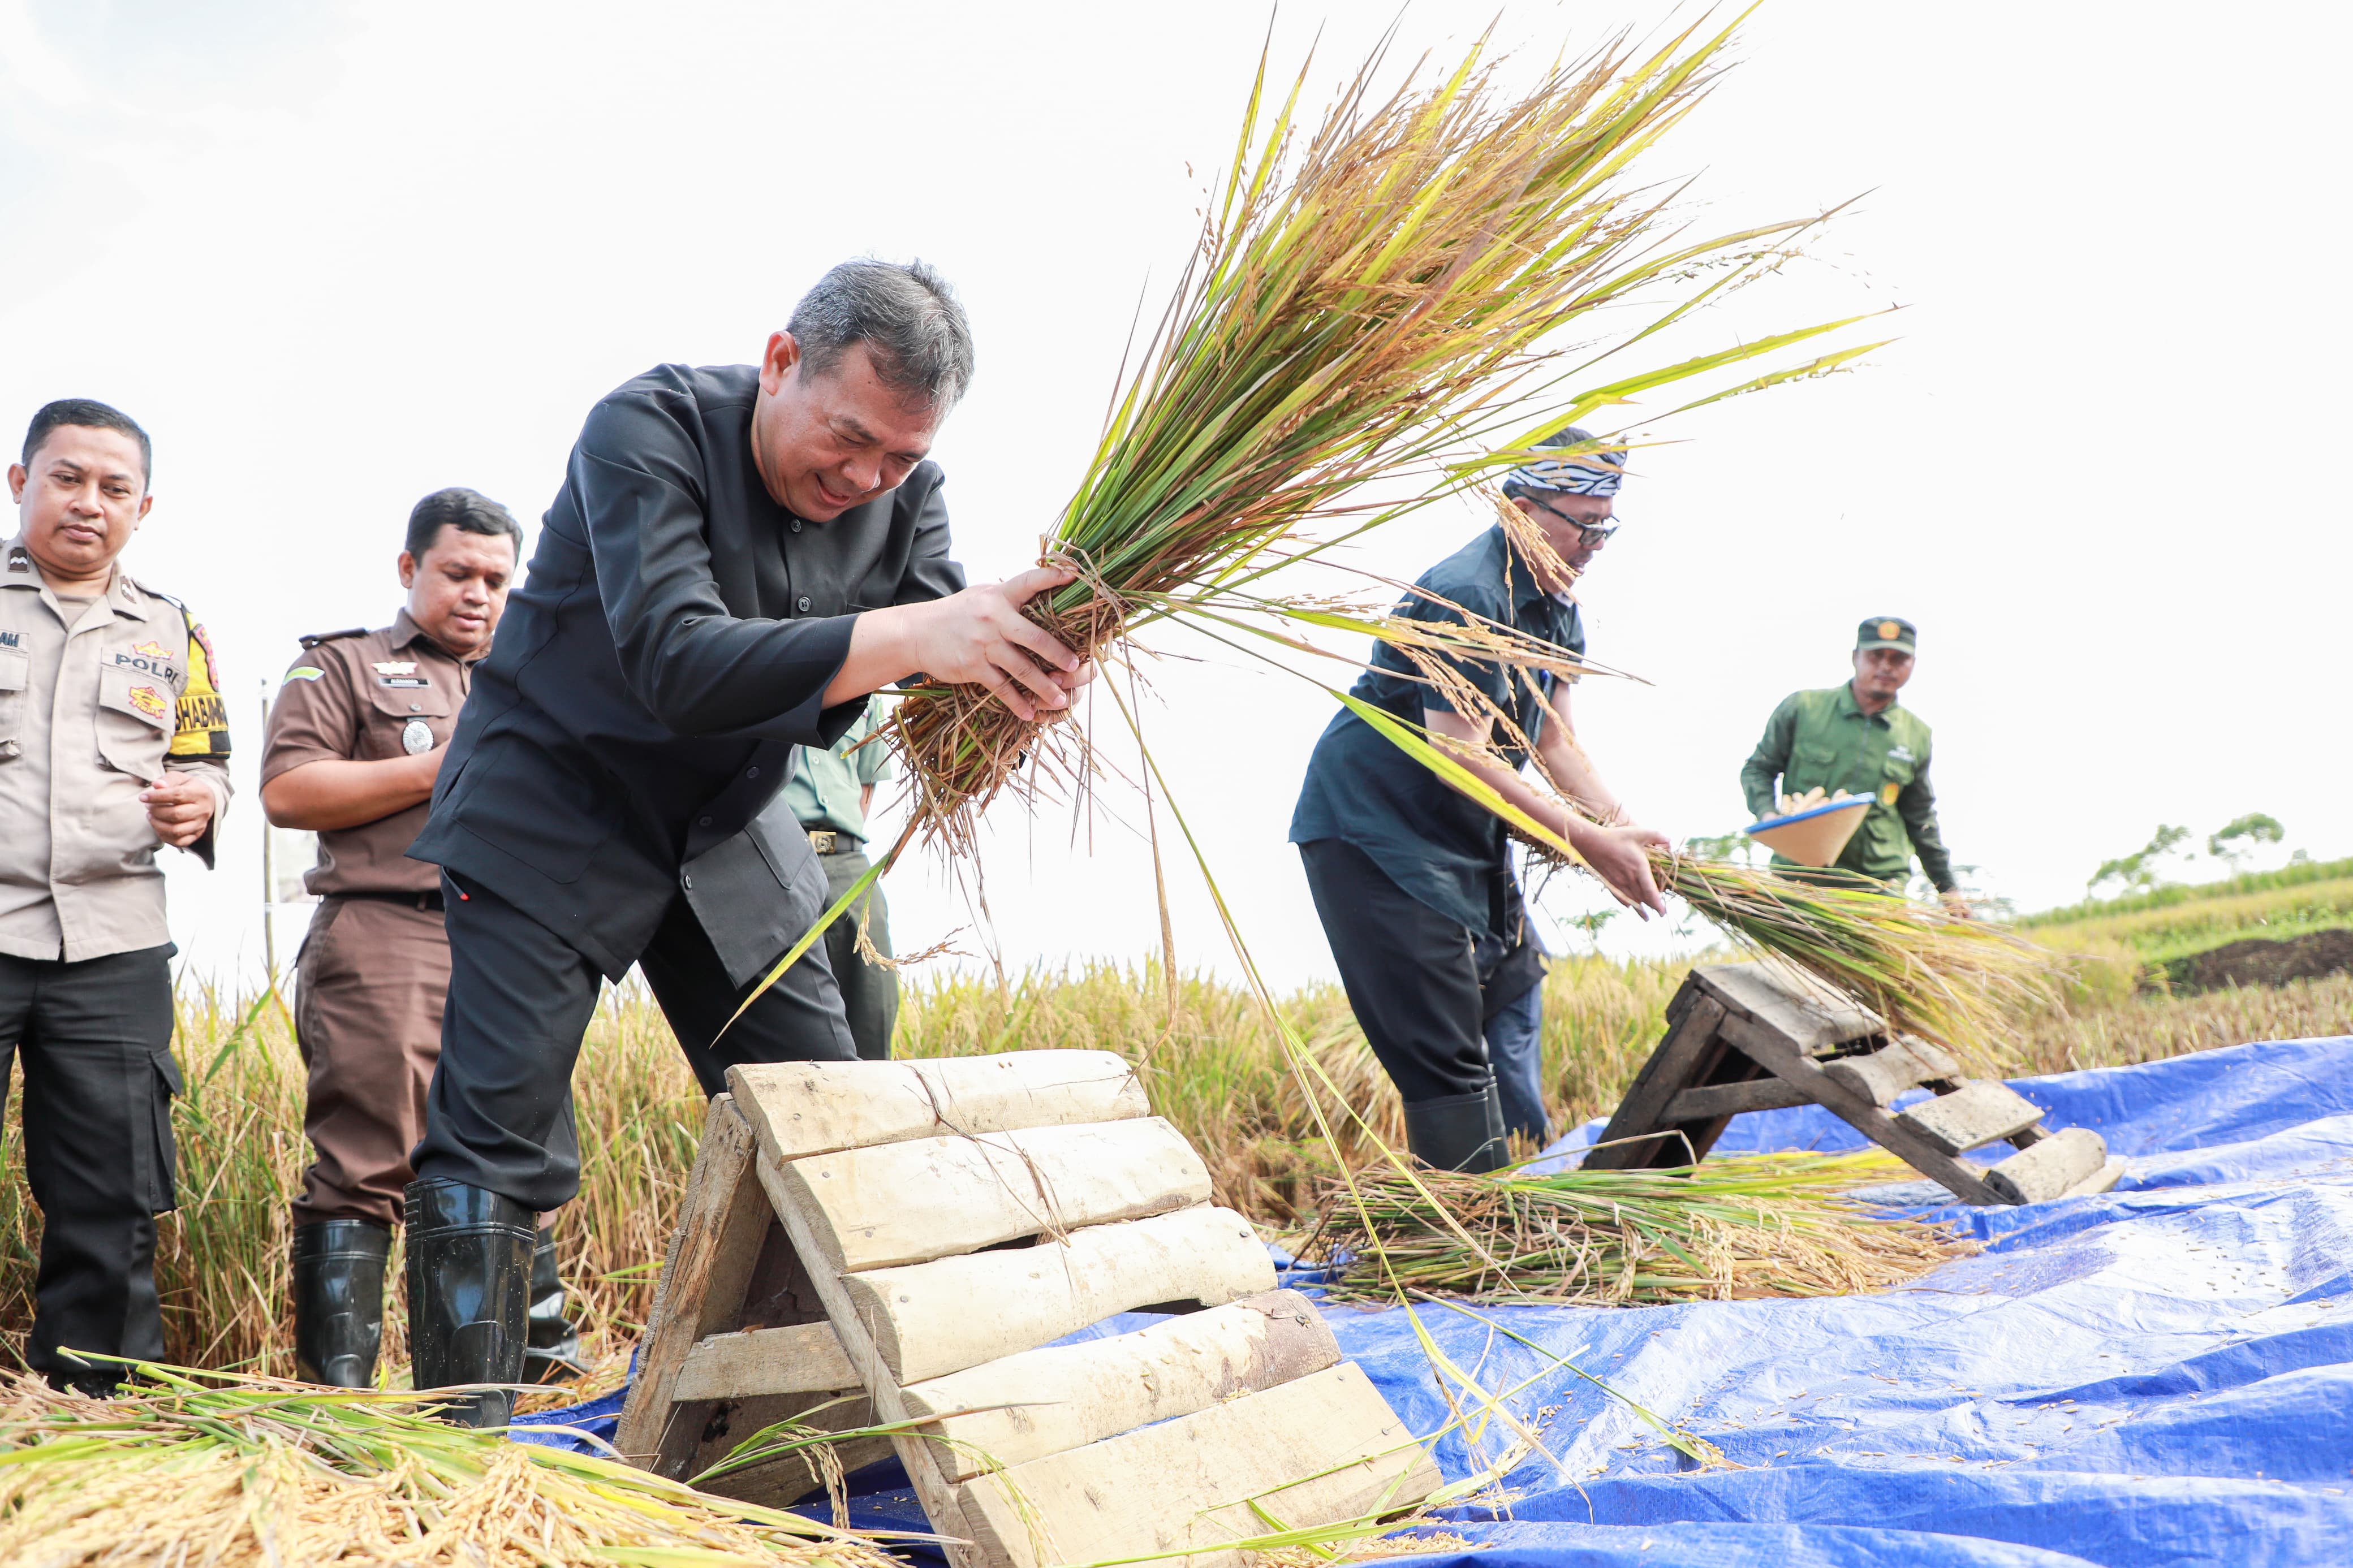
(114, 743)
(356, 742)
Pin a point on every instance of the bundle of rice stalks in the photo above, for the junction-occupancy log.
(235, 1471)
(1770, 1225)
(1380, 300)
(1945, 977)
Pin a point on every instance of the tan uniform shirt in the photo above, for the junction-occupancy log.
(96, 701)
(367, 697)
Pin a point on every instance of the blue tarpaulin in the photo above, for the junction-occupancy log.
(2162, 1374)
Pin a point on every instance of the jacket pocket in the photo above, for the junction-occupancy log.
(134, 722)
(16, 669)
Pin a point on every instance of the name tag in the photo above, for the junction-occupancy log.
(402, 680)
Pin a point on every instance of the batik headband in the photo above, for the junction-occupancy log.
(1575, 476)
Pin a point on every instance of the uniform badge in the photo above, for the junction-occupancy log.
(152, 649)
(1888, 791)
(305, 672)
(396, 667)
(148, 701)
(415, 738)
(1889, 630)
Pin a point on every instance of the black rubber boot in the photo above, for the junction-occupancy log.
(552, 1348)
(339, 1300)
(468, 1291)
(1459, 1132)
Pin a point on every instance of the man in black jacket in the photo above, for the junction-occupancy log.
(739, 555)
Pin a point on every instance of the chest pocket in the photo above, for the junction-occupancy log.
(15, 668)
(135, 722)
(392, 709)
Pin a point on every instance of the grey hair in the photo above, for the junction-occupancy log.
(907, 316)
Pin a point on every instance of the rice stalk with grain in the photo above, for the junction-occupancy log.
(1376, 311)
(1729, 1229)
(248, 1472)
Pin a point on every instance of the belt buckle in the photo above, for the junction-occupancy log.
(821, 840)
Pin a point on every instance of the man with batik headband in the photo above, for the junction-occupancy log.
(114, 743)
(1413, 881)
(1858, 740)
(357, 737)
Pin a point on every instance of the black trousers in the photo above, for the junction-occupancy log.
(95, 1038)
(1415, 979)
(499, 1114)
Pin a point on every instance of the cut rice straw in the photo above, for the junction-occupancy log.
(204, 1468)
(1755, 1226)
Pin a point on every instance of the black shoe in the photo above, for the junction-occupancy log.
(552, 1347)
(1459, 1132)
(468, 1291)
(339, 1300)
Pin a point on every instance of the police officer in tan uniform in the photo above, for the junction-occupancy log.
(355, 740)
(114, 743)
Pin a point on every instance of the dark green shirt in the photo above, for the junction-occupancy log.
(1825, 739)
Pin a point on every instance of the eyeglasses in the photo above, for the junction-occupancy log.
(1588, 535)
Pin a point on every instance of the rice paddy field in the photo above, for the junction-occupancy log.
(1216, 1070)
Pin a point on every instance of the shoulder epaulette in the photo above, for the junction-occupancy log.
(313, 639)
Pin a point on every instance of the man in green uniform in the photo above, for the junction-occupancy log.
(1856, 738)
(829, 794)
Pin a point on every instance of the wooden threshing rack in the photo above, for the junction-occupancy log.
(1762, 1036)
(912, 1236)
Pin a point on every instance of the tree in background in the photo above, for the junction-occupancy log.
(2236, 843)
(2137, 872)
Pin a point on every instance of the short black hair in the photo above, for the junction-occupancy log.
(469, 511)
(96, 415)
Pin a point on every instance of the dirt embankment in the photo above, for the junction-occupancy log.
(2259, 960)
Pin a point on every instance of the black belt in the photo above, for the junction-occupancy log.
(426, 901)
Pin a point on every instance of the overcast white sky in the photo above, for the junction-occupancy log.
(335, 257)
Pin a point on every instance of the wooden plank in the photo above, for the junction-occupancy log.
(927, 1319)
(984, 1189)
(1626, 1143)
(1067, 1396)
(1810, 1015)
(943, 1503)
(721, 1218)
(1979, 1112)
(800, 1108)
(1889, 1071)
(2103, 1180)
(2051, 1169)
(802, 1358)
(1726, 1100)
(1773, 1051)
(1188, 1483)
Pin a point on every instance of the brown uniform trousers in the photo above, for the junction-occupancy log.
(367, 1015)
(373, 971)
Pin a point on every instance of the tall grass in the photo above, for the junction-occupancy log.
(1216, 1069)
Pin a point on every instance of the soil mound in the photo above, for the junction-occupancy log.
(2259, 960)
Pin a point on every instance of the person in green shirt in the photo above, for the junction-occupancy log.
(829, 794)
(1858, 738)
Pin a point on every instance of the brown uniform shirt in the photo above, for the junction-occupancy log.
(97, 699)
(367, 697)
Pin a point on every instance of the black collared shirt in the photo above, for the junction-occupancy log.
(1435, 843)
(669, 645)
